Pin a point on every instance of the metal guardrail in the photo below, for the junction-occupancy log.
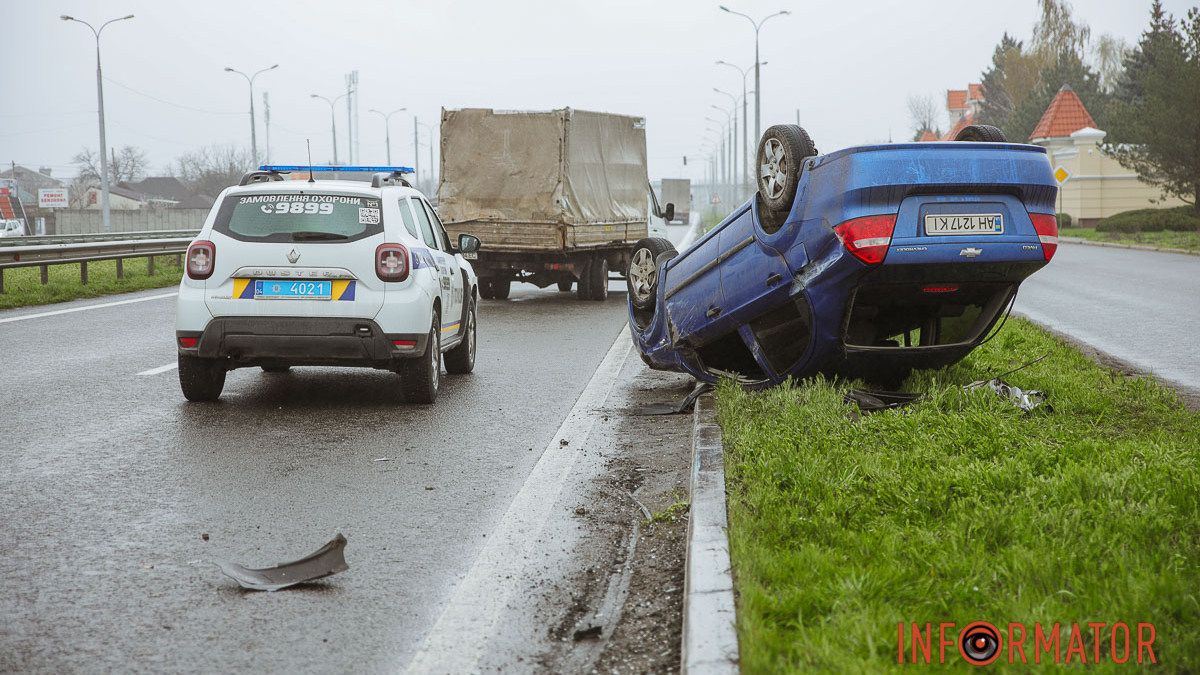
(8, 242)
(82, 253)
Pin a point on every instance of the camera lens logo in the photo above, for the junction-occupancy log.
(979, 643)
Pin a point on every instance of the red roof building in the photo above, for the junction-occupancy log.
(1065, 116)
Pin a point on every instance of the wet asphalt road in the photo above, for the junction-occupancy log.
(110, 479)
(1142, 307)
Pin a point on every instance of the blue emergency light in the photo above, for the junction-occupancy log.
(287, 168)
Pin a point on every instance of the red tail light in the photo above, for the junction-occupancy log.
(1046, 226)
(201, 258)
(939, 289)
(391, 262)
(867, 238)
(188, 342)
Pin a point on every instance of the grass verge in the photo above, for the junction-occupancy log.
(1188, 241)
(23, 286)
(963, 508)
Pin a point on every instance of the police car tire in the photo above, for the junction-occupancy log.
(420, 378)
(461, 359)
(201, 379)
(981, 133)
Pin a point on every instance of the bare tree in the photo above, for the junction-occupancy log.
(1057, 31)
(1109, 57)
(924, 112)
(213, 168)
(127, 164)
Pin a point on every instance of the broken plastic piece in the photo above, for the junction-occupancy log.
(327, 560)
(1024, 399)
(684, 406)
(874, 401)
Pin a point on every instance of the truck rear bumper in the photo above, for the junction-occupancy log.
(301, 341)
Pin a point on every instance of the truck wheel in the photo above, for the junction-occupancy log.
(981, 133)
(491, 288)
(596, 274)
(420, 378)
(461, 359)
(564, 286)
(781, 154)
(201, 379)
(642, 276)
(583, 291)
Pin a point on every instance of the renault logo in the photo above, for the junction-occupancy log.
(292, 256)
(968, 252)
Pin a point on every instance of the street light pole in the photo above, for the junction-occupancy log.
(387, 126)
(105, 213)
(430, 169)
(757, 83)
(745, 121)
(332, 120)
(253, 132)
(733, 137)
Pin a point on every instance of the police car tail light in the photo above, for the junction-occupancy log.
(1046, 226)
(201, 257)
(391, 262)
(867, 238)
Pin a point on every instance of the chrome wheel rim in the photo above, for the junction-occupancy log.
(643, 274)
(471, 334)
(435, 348)
(772, 173)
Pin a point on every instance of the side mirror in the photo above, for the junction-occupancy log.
(669, 212)
(468, 243)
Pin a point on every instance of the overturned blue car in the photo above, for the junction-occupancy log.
(867, 262)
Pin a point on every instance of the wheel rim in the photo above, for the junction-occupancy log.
(435, 348)
(643, 274)
(772, 173)
(471, 334)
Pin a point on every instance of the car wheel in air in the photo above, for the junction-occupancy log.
(781, 154)
(276, 369)
(642, 276)
(461, 359)
(597, 279)
(201, 379)
(421, 377)
(981, 133)
(565, 285)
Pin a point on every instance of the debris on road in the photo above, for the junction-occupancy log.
(645, 511)
(1024, 399)
(382, 459)
(684, 406)
(874, 401)
(327, 560)
(589, 633)
(204, 536)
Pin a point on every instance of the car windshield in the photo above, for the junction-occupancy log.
(298, 216)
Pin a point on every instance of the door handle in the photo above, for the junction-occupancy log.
(712, 312)
(774, 279)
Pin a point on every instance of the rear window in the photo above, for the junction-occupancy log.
(296, 216)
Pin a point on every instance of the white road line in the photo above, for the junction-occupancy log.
(160, 369)
(468, 622)
(87, 307)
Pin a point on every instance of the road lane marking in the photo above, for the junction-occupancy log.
(468, 622)
(160, 369)
(86, 307)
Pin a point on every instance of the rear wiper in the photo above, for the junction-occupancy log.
(302, 236)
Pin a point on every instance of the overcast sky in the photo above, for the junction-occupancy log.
(848, 66)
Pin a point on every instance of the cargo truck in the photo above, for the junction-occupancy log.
(556, 197)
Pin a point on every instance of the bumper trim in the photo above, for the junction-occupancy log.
(314, 341)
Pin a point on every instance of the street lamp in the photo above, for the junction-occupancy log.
(387, 126)
(100, 107)
(745, 120)
(430, 130)
(722, 142)
(253, 133)
(332, 119)
(733, 137)
(757, 84)
(731, 125)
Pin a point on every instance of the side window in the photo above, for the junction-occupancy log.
(426, 227)
(406, 215)
(438, 229)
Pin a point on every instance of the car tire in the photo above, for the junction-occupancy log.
(201, 379)
(276, 369)
(981, 133)
(597, 279)
(461, 359)
(421, 377)
(641, 278)
(491, 288)
(781, 154)
(565, 285)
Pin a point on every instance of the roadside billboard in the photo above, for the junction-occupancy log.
(52, 198)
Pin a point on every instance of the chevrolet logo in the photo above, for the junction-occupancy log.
(970, 252)
(292, 256)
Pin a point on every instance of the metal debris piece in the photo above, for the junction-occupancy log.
(327, 560)
(874, 401)
(1024, 399)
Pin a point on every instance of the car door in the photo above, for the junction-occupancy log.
(693, 290)
(754, 276)
(456, 278)
(441, 259)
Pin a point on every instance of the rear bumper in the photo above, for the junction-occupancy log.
(313, 341)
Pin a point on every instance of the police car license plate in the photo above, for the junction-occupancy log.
(271, 289)
(956, 224)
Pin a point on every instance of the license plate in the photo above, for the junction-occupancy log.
(958, 224)
(470, 256)
(270, 289)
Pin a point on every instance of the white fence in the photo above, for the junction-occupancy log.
(142, 220)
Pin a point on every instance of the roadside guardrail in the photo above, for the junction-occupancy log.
(8, 242)
(82, 253)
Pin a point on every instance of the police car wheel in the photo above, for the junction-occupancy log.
(461, 359)
(201, 379)
(420, 377)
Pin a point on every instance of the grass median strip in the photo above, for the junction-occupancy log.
(23, 286)
(1187, 241)
(963, 508)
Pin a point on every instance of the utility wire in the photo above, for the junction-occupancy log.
(172, 103)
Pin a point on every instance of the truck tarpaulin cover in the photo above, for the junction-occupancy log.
(562, 166)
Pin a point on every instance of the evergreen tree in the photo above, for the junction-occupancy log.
(1068, 68)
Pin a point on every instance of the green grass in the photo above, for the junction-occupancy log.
(1189, 241)
(962, 508)
(23, 287)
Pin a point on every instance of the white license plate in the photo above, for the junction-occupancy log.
(970, 223)
(470, 256)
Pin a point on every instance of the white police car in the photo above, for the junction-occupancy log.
(325, 273)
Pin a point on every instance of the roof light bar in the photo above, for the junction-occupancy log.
(287, 168)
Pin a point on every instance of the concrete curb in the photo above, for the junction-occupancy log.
(1136, 247)
(710, 644)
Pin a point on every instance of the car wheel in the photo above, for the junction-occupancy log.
(461, 359)
(201, 379)
(781, 154)
(420, 378)
(981, 133)
(642, 276)
(597, 279)
(565, 285)
(276, 369)
(500, 288)
(485, 288)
